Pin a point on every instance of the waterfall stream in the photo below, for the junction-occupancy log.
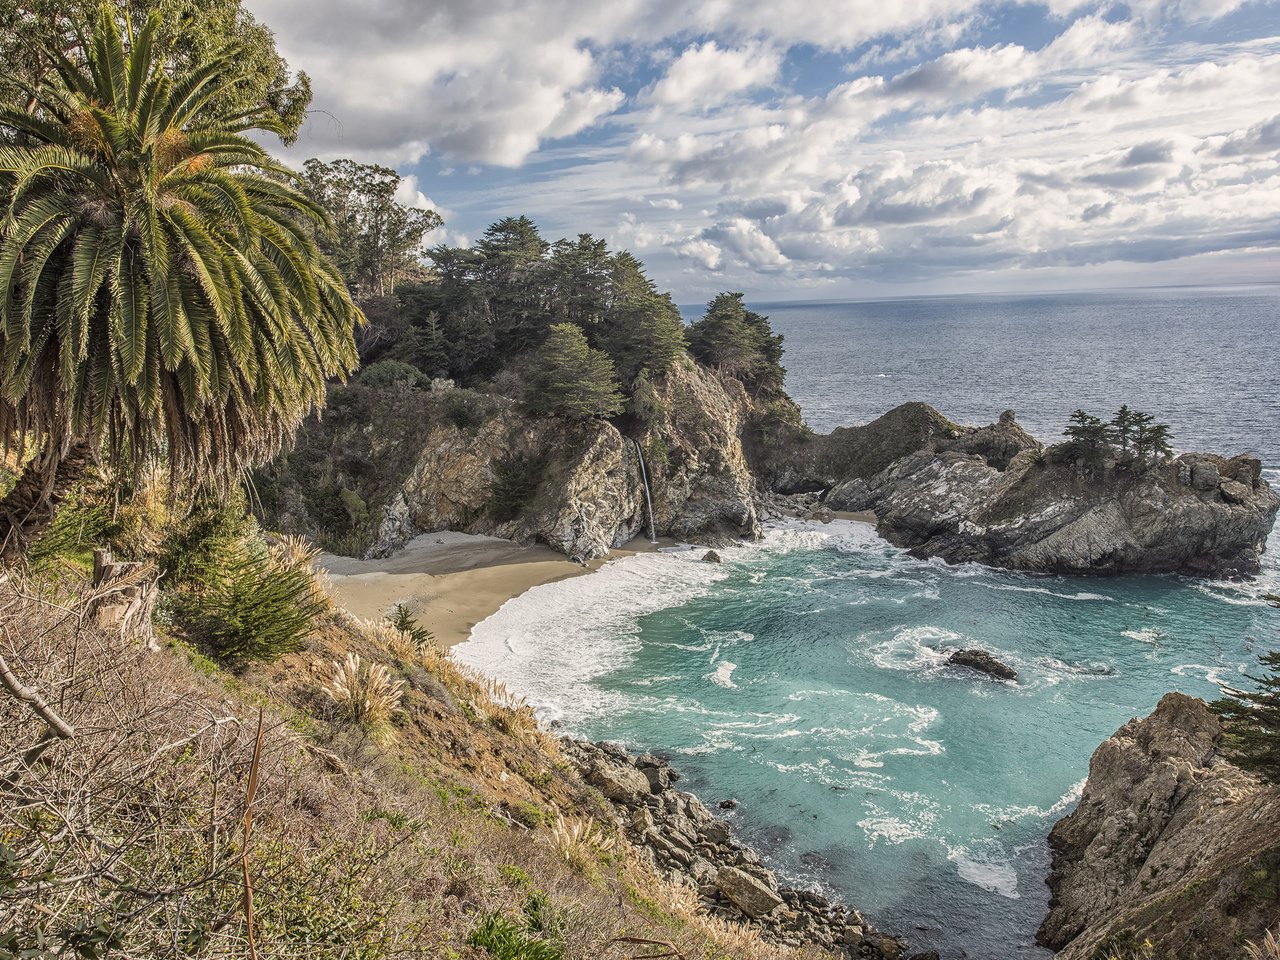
(648, 499)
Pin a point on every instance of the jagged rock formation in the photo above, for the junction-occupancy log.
(1170, 843)
(691, 844)
(989, 496)
(416, 462)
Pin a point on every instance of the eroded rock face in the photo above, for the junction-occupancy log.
(585, 493)
(984, 497)
(1168, 843)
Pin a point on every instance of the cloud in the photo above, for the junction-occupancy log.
(790, 143)
(705, 75)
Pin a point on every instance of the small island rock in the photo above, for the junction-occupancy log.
(983, 662)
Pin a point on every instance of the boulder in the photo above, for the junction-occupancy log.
(712, 557)
(983, 662)
(619, 782)
(748, 894)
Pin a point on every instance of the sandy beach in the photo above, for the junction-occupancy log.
(451, 581)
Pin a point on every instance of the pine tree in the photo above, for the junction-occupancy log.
(1158, 442)
(571, 379)
(1088, 438)
(1123, 425)
(1252, 719)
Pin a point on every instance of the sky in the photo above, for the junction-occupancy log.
(812, 149)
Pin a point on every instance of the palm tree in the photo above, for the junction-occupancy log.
(161, 292)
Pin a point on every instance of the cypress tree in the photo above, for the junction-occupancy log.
(570, 379)
(1252, 719)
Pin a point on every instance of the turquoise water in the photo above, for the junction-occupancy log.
(805, 676)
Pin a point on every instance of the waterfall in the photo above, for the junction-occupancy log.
(644, 475)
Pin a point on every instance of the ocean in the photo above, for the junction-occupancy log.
(805, 677)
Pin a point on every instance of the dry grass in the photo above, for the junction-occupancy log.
(364, 693)
(1269, 949)
(130, 834)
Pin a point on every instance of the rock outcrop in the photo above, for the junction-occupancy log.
(989, 495)
(692, 845)
(983, 662)
(1169, 843)
(386, 465)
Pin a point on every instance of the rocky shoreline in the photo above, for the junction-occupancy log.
(684, 840)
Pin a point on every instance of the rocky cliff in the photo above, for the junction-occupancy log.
(989, 495)
(1169, 843)
(386, 465)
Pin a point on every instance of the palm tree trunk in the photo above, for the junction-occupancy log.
(28, 509)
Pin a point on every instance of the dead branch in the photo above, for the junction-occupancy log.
(58, 729)
(248, 830)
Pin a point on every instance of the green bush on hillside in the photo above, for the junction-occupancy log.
(1252, 719)
(504, 939)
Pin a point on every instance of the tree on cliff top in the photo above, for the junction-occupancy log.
(570, 379)
(740, 342)
(1252, 719)
(374, 240)
(161, 293)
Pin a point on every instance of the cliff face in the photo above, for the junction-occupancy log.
(1169, 843)
(987, 496)
(391, 466)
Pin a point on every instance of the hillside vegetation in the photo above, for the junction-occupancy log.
(371, 798)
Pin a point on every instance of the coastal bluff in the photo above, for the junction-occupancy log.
(992, 495)
(1170, 843)
(384, 466)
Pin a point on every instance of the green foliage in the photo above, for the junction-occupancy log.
(515, 484)
(254, 610)
(404, 623)
(571, 379)
(1252, 719)
(1131, 438)
(233, 596)
(393, 374)
(740, 342)
(374, 240)
(80, 525)
(505, 939)
(211, 535)
(191, 32)
(161, 295)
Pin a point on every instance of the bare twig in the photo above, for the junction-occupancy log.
(58, 729)
(671, 950)
(250, 793)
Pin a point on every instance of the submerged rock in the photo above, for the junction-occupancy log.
(1169, 843)
(983, 662)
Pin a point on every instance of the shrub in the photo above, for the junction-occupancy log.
(571, 379)
(364, 692)
(393, 374)
(410, 631)
(1251, 718)
(252, 608)
(504, 939)
(77, 528)
(515, 483)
